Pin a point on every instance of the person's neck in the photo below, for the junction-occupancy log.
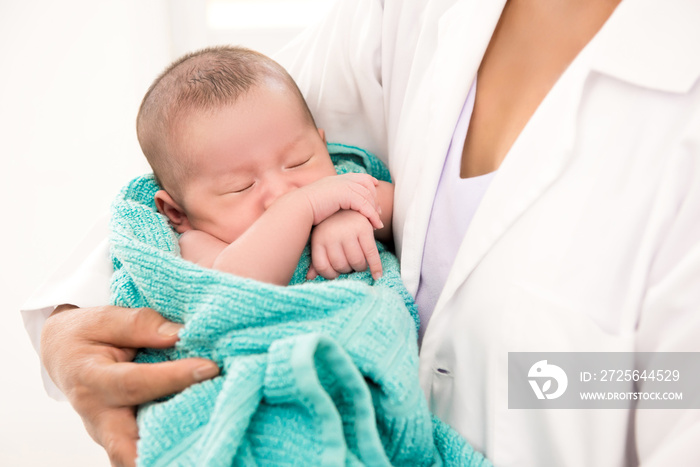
(533, 44)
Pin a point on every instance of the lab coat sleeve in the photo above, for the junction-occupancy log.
(83, 280)
(670, 317)
(337, 65)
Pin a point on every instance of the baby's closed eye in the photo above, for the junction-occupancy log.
(299, 163)
(242, 187)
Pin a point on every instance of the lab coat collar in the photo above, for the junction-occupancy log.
(651, 44)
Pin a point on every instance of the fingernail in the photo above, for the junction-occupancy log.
(206, 371)
(169, 329)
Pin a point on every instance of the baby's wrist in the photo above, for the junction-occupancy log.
(299, 203)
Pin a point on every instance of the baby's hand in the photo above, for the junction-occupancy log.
(356, 192)
(344, 243)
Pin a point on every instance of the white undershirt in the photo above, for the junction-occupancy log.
(455, 203)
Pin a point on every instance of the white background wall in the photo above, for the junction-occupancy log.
(72, 74)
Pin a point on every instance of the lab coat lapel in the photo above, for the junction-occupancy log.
(451, 76)
(537, 158)
(545, 146)
(535, 161)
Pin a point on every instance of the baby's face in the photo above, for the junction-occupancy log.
(244, 156)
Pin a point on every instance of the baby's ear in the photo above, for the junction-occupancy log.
(322, 133)
(169, 208)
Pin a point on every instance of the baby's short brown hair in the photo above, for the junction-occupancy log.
(203, 80)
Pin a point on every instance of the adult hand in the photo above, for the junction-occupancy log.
(88, 353)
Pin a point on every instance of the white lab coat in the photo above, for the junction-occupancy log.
(588, 238)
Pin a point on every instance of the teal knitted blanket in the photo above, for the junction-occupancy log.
(315, 373)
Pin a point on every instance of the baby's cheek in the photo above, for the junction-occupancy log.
(234, 222)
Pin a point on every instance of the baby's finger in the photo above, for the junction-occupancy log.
(366, 206)
(365, 179)
(355, 255)
(338, 260)
(369, 247)
(321, 264)
(366, 184)
(311, 274)
(371, 184)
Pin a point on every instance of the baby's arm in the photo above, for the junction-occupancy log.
(270, 249)
(200, 247)
(346, 240)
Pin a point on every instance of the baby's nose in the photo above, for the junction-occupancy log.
(277, 188)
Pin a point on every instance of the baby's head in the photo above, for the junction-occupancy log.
(226, 131)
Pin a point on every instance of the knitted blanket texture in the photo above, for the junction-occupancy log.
(314, 373)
